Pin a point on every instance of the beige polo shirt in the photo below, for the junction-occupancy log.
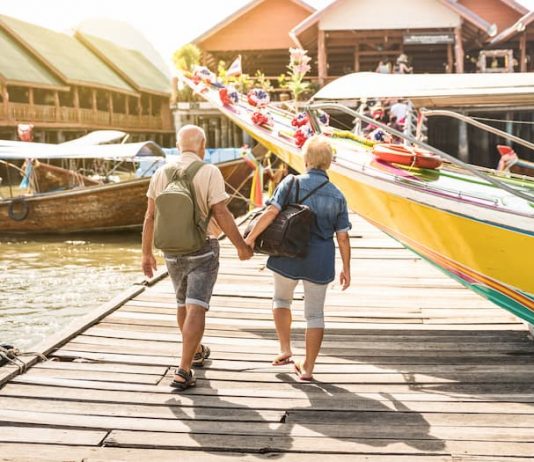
(208, 184)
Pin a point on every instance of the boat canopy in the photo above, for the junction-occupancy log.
(434, 90)
(91, 139)
(98, 137)
(126, 151)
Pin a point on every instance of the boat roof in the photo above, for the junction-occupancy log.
(98, 137)
(434, 90)
(125, 151)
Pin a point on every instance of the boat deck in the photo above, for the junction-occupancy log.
(413, 368)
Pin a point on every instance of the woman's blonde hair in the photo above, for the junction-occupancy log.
(318, 153)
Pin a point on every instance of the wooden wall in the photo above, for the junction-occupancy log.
(265, 27)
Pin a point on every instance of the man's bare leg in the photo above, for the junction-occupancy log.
(192, 332)
(180, 317)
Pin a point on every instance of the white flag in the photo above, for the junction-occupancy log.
(235, 67)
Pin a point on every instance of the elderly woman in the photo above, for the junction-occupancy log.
(316, 270)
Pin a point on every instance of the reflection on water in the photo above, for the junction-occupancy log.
(46, 282)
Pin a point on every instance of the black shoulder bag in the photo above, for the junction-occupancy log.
(289, 234)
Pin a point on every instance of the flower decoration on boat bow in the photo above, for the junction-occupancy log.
(302, 134)
(300, 119)
(228, 95)
(323, 118)
(203, 74)
(258, 97)
(262, 118)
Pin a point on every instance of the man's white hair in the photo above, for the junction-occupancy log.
(190, 138)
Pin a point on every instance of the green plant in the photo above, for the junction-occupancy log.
(282, 81)
(243, 83)
(187, 57)
(222, 72)
(263, 82)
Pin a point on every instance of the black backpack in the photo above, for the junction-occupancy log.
(289, 234)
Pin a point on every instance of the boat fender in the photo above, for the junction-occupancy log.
(18, 209)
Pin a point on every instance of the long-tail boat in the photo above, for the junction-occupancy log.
(61, 200)
(472, 223)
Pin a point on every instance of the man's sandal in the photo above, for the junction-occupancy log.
(201, 356)
(189, 380)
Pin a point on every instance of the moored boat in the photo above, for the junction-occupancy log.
(63, 201)
(476, 226)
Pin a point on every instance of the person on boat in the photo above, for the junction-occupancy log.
(193, 275)
(316, 270)
(377, 113)
(25, 132)
(398, 111)
(383, 67)
(402, 66)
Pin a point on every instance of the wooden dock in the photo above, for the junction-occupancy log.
(413, 368)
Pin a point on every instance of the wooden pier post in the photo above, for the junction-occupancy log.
(322, 67)
(458, 50)
(463, 142)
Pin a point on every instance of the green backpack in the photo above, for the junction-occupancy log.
(179, 229)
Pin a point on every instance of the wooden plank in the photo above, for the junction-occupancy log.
(141, 411)
(266, 444)
(18, 434)
(256, 429)
(303, 417)
(273, 400)
(45, 453)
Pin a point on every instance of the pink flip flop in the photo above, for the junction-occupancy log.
(282, 360)
(298, 370)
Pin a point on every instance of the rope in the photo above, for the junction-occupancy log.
(11, 355)
(504, 121)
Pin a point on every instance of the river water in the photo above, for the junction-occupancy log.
(47, 282)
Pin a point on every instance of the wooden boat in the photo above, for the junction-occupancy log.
(476, 227)
(80, 207)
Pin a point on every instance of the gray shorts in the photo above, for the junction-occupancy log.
(193, 276)
(314, 298)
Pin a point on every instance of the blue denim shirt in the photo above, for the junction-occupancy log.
(330, 208)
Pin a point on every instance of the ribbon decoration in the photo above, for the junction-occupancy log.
(256, 188)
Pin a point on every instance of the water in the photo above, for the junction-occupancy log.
(47, 282)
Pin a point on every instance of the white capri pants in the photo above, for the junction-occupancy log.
(314, 298)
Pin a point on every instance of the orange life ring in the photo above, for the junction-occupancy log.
(399, 154)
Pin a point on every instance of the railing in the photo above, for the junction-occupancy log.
(476, 123)
(310, 109)
(22, 112)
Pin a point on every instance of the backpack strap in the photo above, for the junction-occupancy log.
(188, 174)
(313, 191)
(288, 193)
(193, 169)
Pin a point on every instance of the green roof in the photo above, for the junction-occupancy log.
(18, 66)
(65, 55)
(132, 65)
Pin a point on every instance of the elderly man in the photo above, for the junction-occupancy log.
(193, 275)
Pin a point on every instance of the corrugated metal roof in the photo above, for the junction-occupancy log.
(131, 65)
(17, 66)
(65, 56)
